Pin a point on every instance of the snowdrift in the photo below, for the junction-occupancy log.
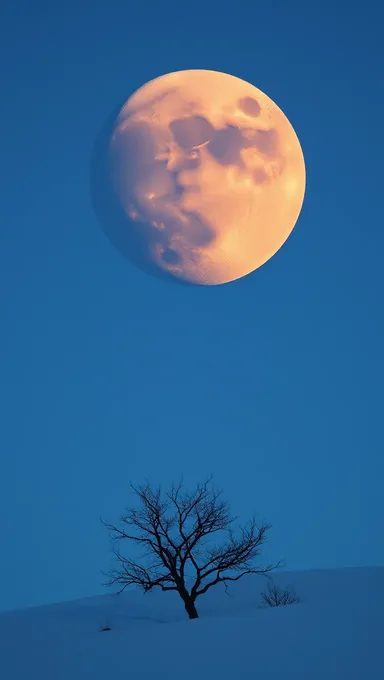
(336, 632)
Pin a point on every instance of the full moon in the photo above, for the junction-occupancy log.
(210, 171)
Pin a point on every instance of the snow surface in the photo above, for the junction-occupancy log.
(335, 633)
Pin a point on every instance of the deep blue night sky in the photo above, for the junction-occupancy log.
(272, 383)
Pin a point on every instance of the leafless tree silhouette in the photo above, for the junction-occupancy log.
(274, 596)
(175, 530)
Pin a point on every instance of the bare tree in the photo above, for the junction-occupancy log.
(275, 596)
(175, 529)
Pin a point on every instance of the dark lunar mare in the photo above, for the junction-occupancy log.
(126, 236)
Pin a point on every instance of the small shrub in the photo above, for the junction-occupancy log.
(274, 596)
(104, 628)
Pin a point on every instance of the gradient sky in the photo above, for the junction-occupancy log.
(272, 383)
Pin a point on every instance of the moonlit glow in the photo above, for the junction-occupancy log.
(211, 170)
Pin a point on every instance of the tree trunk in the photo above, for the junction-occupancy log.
(191, 609)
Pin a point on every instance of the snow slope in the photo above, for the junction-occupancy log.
(335, 633)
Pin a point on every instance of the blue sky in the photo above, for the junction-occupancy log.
(272, 383)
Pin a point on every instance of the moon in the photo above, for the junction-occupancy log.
(209, 171)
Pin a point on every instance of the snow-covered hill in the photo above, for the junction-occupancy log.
(335, 633)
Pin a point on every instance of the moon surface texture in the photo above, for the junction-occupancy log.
(211, 172)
